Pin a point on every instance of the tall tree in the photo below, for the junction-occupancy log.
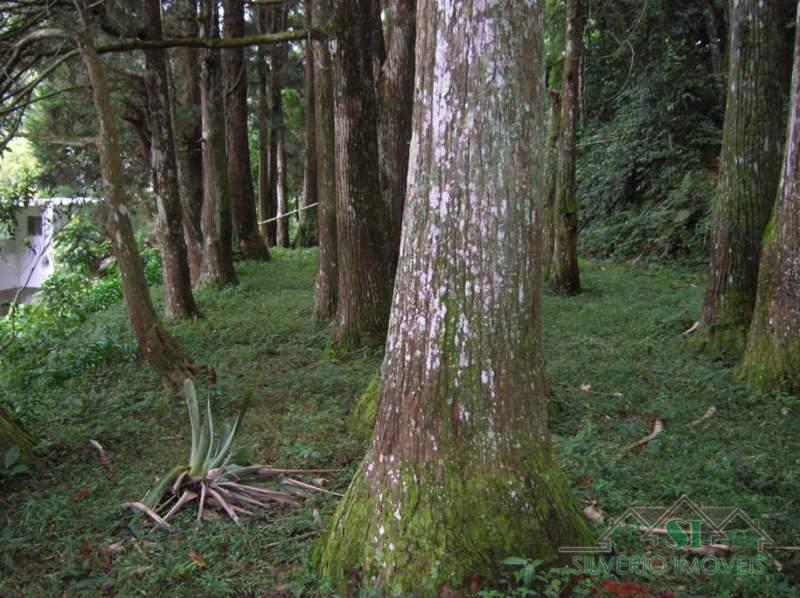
(157, 346)
(772, 358)
(365, 281)
(396, 95)
(178, 298)
(564, 274)
(750, 161)
(460, 472)
(188, 133)
(266, 209)
(308, 229)
(326, 282)
(216, 217)
(240, 178)
(277, 157)
(550, 175)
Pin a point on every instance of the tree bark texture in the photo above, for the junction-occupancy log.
(218, 267)
(178, 299)
(772, 358)
(564, 273)
(157, 346)
(327, 278)
(396, 96)
(188, 134)
(460, 473)
(750, 163)
(365, 281)
(240, 178)
(13, 434)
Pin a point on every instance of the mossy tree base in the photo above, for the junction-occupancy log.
(444, 527)
(361, 420)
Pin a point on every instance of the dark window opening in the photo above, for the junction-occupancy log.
(34, 226)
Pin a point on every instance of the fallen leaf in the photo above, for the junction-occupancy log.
(711, 412)
(81, 493)
(319, 481)
(658, 427)
(784, 411)
(694, 327)
(198, 560)
(586, 387)
(626, 590)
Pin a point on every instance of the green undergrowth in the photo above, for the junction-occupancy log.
(62, 524)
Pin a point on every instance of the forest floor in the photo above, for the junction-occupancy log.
(616, 362)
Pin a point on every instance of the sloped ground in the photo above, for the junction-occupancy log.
(622, 337)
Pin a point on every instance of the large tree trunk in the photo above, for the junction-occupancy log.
(327, 279)
(550, 175)
(365, 281)
(461, 472)
(240, 178)
(308, 229)
(772, 358)
(188, 134)
(396, 89)
(157, 346)
(178, 298)
(752, 142)
(564, 274)
(216, 217)
(266, 208)
(277, 174)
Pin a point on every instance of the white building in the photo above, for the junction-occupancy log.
(26, 253)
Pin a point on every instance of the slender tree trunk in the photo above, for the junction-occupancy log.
(564, 274)
(460, 473)
(278, 57)
(189, 132)
(365, 282)
(396, 95)
(550, 176)
(216, 216)
(772, 358)
(266, 208)
(749, 169)
(157, 346)
(240, 178)
(178, 298)
(308, 229)
(326, 283)
(714, 41)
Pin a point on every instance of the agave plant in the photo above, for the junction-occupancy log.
(212, 480)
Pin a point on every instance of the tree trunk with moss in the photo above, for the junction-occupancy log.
(327, 278)
(178, 298)
(218, 267)
(752, 143)
(396, 88)
(188, 133)
(157, 346)
(550, 174)
(461, 472)
(772, 358)
(363, 222)
(240, 178)
(564, 273)
(12, 434)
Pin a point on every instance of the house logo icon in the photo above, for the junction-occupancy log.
(683, 526)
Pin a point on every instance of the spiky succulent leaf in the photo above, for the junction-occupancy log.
(194, 414)
(156, 492)
(198, 460)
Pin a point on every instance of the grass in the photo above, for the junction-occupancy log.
(622, 336)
